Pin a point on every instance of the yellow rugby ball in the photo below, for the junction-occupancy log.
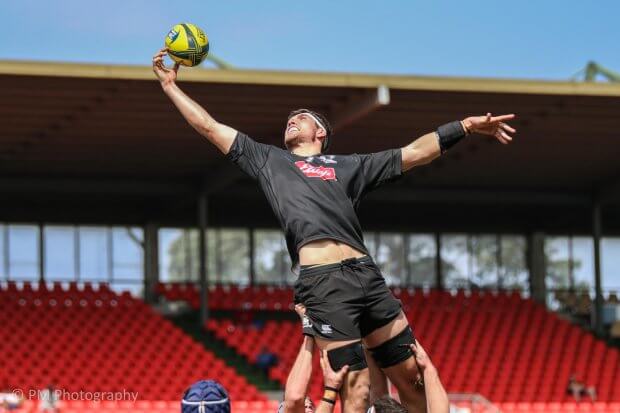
(187, 44)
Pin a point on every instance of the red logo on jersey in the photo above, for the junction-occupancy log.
(311, 171)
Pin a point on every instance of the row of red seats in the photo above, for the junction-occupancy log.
(231, 297)
(145, 406)
(271, 406)
(103, 348)
(56, 286)
(512, 352)
(554, 407)
(60, 291)
(263, 297)
(14, 297)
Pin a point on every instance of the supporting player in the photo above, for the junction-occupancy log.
(296, 399)
(315, 198)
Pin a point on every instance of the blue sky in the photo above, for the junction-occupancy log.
(544, 39)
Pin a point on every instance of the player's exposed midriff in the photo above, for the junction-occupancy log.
(326, 251)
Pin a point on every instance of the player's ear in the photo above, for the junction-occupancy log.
(320, 133)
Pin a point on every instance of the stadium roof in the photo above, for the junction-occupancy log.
(102, 144)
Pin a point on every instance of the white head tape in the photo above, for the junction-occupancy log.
(202, 404)
(316, 120)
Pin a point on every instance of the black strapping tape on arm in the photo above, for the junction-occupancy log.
(449, 134)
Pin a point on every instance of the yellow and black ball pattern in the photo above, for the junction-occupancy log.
(187, 44)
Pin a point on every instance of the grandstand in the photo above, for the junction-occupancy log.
(95, 339)
(95, 157)
(508, 335)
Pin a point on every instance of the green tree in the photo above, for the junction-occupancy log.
(227, 255)
(514, 273)
(422, 261)
(183, 254)
(483, 265)
(273, 264)
(558, 267)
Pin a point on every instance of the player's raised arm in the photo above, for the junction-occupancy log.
(428, 147)
(218, 134)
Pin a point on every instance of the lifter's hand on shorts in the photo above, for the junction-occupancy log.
(300, 309)
(165, 75)
(491, 125)
(332, 378)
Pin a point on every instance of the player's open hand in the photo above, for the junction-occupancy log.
(491, 125)
(332, 378)
(165, 75)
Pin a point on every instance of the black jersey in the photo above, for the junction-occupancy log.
(315, 197)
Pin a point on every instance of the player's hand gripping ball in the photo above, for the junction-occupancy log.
(187, 44)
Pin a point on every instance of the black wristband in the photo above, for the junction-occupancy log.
(330, 401)
(449, 134)
(335, 390)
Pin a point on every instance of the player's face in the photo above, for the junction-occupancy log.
(308, 405)
(300, 128)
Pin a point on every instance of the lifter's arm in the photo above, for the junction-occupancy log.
(218, 134)
(299, 378)
(436, 396)
(333, 381)
(426, 148)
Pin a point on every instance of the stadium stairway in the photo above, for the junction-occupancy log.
(190, 324)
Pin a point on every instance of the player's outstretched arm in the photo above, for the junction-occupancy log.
(428, 147)
(218, 134)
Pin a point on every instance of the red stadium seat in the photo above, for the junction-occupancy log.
(508, 348)
(92, 338)
(101, 341)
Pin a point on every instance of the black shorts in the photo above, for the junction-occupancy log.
(345, 301)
